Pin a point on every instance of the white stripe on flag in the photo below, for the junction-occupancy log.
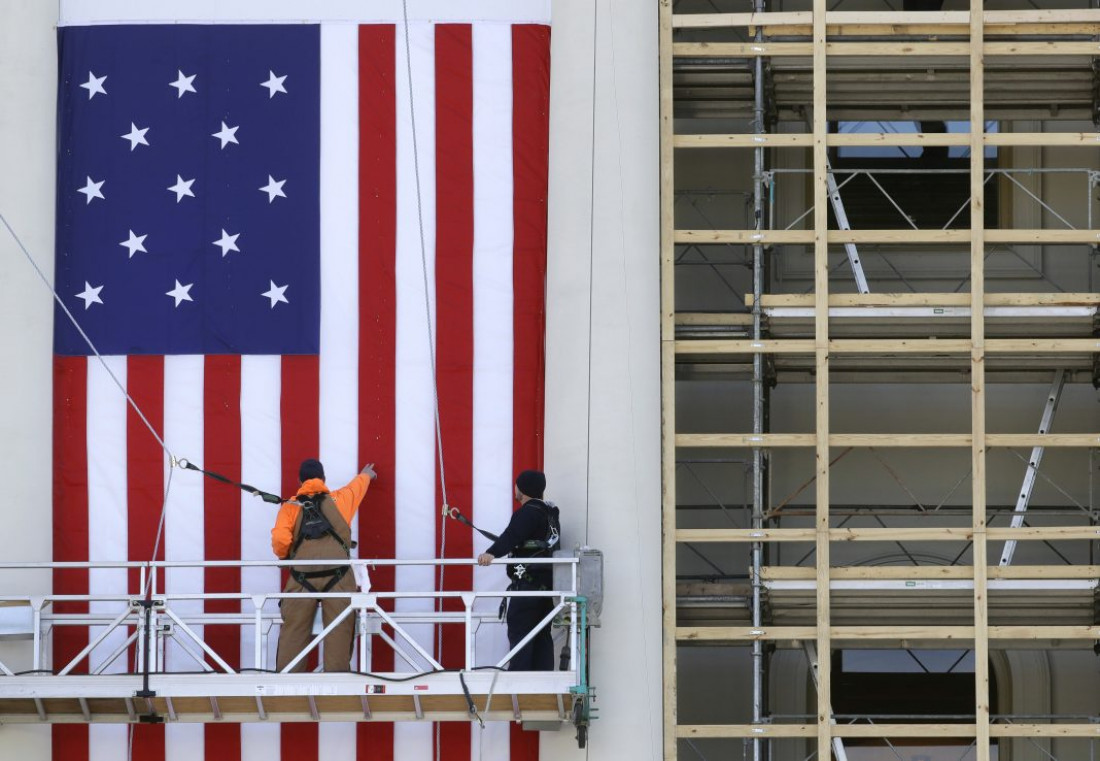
(492, 282)
(336, 740)
(107, 742)
(414, 438)
(107, 529)
(338, 363)
(339, 377)
(183, 528)
(261, 381)
(261, 436)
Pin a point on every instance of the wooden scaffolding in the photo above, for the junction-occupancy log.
(821, 66)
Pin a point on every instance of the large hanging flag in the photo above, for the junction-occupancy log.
(265, 251)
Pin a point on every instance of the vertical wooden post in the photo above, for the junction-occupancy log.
(977, 369)
(821, 352)
(668, 387)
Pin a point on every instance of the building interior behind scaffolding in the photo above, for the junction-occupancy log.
(880, 244)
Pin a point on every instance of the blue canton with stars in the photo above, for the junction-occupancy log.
(188, 207)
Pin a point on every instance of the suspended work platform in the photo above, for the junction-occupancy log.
(156, 656)
(498, 696)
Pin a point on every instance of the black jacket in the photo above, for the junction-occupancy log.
(530, 522)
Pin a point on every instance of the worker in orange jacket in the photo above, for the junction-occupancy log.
(318, 534)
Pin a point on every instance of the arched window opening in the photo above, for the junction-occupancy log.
(908, 686)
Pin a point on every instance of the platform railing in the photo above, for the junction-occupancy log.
(151, 620)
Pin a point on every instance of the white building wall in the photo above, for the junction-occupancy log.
(602, 350)
(603, 396)
(28, 87)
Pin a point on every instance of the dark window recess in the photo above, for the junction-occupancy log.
(925, 192)
(904, 694)
(911, 683)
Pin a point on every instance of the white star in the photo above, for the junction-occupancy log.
(181, 293)
(227, 242)
(183, 83)
(275, 293)
(273, 188)
(182, 188)
(136, 136)
(94, 85)
(90, 295)
(92, 190)
(274, 84)
(135, 243)
(227, 134)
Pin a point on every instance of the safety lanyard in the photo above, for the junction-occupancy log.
(274, 499)
(453, 512)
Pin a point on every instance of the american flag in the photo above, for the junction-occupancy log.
(240, 213)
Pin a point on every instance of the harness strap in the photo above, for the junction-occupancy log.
(303, 577)
(329, 531)
(316, 502)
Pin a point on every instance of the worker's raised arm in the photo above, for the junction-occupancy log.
(348, 498)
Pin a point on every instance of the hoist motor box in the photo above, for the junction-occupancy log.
(589, 578)
(16, 621)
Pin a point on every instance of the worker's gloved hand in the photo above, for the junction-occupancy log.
(368, 470)
(485, 558)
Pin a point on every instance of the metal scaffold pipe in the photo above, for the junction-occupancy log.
(758, 399)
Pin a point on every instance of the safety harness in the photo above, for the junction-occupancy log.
(315, 524)
(532, 548)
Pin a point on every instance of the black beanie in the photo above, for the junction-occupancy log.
(311, 469)
(532, 483)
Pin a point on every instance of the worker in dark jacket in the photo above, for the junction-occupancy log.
(532, 532)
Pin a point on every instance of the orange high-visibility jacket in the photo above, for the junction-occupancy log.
(347, 502)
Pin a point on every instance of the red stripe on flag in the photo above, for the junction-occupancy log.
(299, 415)
(144, 461)
(530, 150)
(530, 147)
(144, 499)
(70, 527)
(222, 522)
(377, 327)
(454, 298)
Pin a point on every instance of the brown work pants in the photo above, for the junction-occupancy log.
(297, 631)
